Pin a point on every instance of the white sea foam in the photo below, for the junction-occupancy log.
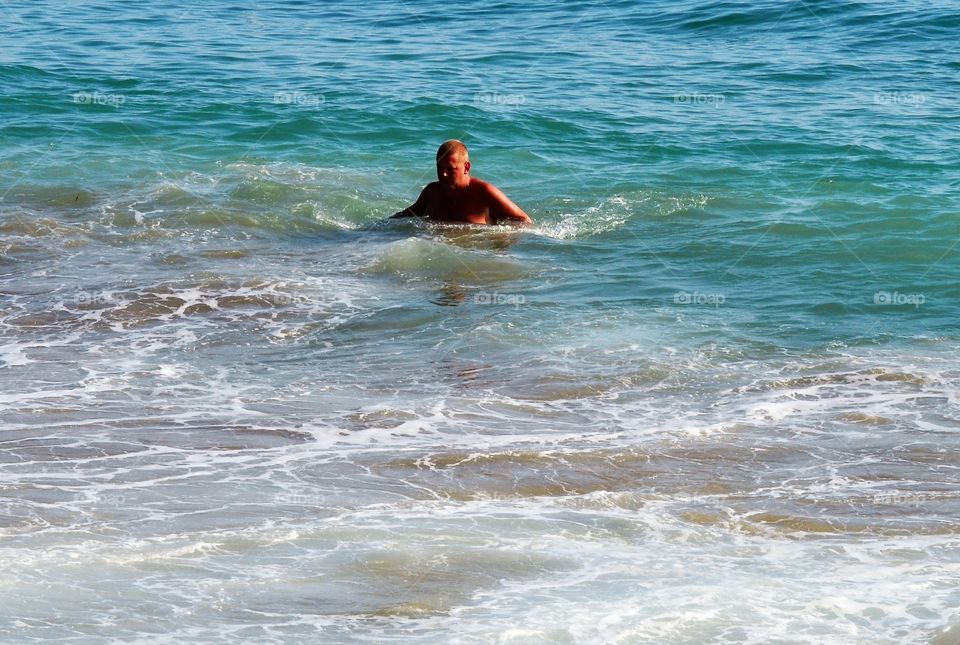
(418, 257)
(329, 448)
(614, 212)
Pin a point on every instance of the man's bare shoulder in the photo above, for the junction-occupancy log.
(431, 190)
(479, 184)
(485, 188)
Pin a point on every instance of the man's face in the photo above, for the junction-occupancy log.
(453, 170)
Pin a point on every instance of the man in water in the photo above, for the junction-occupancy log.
(458, 198)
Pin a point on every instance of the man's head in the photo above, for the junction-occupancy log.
(453, 164)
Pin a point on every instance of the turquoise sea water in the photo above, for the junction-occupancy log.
(712, 396)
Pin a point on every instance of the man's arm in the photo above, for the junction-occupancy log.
(503, 209)
(417, 209)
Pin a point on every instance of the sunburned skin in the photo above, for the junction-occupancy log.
(458, 198)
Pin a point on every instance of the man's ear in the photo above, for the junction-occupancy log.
(466, 166)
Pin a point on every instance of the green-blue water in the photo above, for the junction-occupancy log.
(711, 396)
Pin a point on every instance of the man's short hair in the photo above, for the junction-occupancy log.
(451, 147)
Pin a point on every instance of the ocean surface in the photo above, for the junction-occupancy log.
(710, 397)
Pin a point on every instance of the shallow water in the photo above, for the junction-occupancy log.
(710, 397)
